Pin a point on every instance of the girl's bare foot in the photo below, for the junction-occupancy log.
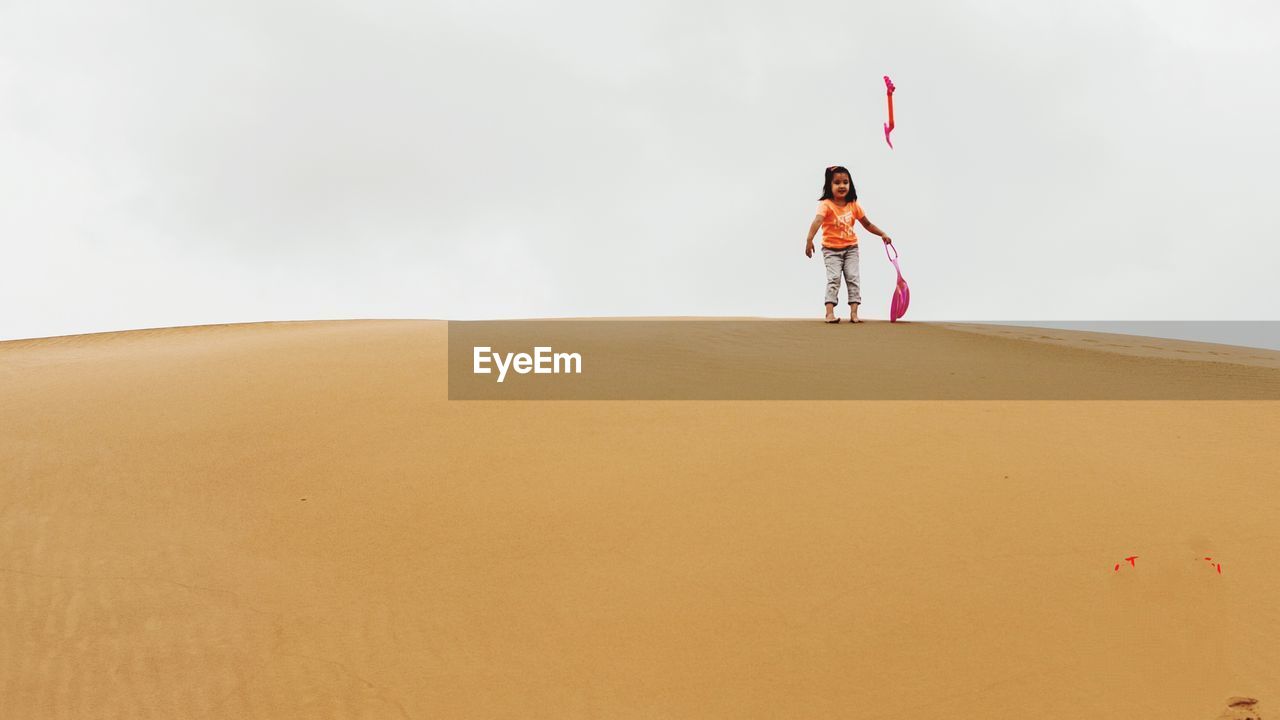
(831, 314)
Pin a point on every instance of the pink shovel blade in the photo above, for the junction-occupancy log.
(901, 300)
(901, 293)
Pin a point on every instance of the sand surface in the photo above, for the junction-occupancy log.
(289, 520)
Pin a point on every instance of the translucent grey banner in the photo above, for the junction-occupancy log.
(1244, 333)
(699, 359)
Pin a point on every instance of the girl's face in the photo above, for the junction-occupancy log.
(840, 185)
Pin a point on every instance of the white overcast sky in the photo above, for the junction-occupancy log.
(179, 163)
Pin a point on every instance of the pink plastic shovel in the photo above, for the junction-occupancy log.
(888, 127)
(901, 293)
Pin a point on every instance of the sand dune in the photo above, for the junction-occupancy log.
(285, 520)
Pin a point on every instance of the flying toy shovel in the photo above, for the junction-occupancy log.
(901, 293)
(888, 127)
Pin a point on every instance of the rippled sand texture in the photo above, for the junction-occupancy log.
(287, 520)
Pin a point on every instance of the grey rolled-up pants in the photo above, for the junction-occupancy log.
(842, 262)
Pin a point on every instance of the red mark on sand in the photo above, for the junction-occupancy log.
(1131, 558)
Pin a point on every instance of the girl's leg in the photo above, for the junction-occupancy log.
(851, 279)
(833, 261)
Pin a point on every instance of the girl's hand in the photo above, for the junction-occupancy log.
(886, 239)
(808, 249)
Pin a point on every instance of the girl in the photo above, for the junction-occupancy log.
(837, 209)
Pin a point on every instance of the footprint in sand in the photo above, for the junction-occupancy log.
(1240, 708)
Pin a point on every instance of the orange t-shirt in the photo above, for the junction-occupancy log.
(837, 224)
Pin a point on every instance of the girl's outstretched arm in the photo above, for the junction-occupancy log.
(870, 226)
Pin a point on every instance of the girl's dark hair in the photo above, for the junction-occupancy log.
(826, 183)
